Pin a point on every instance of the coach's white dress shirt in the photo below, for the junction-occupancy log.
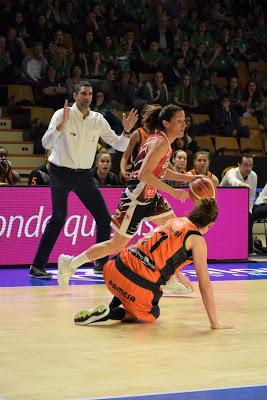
(234, 178)
(75, 147)
(262, 198)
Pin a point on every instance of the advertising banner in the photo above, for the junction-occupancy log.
(25, 211)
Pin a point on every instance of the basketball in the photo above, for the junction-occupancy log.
(202, 188)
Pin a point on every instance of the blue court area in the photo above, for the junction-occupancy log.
(16, 277)
(236, 393)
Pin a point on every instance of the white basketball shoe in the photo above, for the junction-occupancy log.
(65, 270)
(174, 286)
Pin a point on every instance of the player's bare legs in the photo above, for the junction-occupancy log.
(67, 265)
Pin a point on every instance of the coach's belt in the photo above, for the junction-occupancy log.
(67, 169)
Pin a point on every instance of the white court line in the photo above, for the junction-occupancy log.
(70, 295)
(166, 393)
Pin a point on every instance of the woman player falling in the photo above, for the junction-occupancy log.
(136, 275)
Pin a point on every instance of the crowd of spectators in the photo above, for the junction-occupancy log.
(135, 54)
(117, 46)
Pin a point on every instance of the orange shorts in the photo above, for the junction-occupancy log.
(139, 302)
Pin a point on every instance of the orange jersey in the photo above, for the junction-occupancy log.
(136, 275)
(194, 172)
(161, 252)
(144, 135)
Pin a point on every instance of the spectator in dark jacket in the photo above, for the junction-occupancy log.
(40, 175)
(101, 172)
(226, 121)
(163, 35)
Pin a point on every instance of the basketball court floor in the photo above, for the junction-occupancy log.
(45, 356)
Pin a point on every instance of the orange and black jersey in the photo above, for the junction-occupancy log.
(157, 256)
(194, 172)
(144, 135)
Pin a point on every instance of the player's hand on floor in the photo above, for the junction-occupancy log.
(185, 281)
(220, 326)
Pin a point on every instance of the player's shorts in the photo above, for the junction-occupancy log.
(139, 301)
(131, 212)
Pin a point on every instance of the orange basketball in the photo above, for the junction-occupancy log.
(202, 188)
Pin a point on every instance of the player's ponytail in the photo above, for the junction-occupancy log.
(205, 212)
(150, 117)
(154, 114)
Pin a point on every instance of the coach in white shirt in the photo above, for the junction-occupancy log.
(244, 176)
(260, 207)
(72, 135)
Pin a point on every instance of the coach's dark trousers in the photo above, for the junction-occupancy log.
(63, 181)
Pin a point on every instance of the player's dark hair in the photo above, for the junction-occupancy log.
(245, 154)
(78, 86)
(154, 114)
(205, 212)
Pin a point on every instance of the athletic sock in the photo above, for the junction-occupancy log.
(116, 314)
(79, 260)
(115, 302)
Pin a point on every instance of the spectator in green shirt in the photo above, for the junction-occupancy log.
(221, 62)
(177, 71)
(201, 36)
(201, 51)
(87, 43)
(135, 12)
(154, 59)
(234, 95)
(109, 51)
(185, 51)
(131, 52)
(196, 69)
(178, 34)
(226, 40)
(206, 95)
(184, 94)
(240, 46)
(97, 68)
(191, 23)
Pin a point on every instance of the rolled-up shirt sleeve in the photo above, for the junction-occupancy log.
(119, 143)
(52, 134)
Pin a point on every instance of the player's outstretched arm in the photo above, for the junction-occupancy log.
(177, 176)
(199, 252)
